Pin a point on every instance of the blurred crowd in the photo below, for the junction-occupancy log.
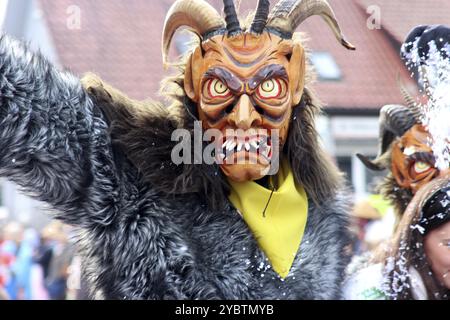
(38, 265)
(373, 221)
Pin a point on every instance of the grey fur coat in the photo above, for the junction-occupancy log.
(137, 244)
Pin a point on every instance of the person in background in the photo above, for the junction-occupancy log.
(77, 287)
(373, 222)
(23, 264)
(3, 269)
(62, 254)
(362, 215)
(44, 252)
(41, 262)
(415, 263)
(13, 234)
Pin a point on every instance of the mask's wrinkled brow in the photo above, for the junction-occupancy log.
(232, 81)
(423, 157)
(235, 84)
(244, 65)
(268, 72)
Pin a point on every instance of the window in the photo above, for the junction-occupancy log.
(326, 67)
(361, 180)
(345, 165)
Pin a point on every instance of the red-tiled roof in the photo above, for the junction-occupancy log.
(369, 73)
(120, 40)
(400, 16)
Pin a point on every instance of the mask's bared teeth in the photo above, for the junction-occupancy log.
(247, 146)
(232, 145)
(262, 145)
(255, 144)
(267, 151)
(227, 143)
(263, 150)
(221, 156)
(265, 157)
(262, 140)
(239, 148)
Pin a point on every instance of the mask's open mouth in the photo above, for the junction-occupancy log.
(246, 148)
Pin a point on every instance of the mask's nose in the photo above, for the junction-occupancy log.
(244, 115)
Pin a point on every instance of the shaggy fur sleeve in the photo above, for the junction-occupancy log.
(53, 140)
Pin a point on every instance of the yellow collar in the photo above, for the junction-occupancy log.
(280, 232)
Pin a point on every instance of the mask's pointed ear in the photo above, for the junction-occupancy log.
(192, 75)
(297, 69)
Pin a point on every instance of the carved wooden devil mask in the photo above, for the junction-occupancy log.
(246, 83)
(412, 161)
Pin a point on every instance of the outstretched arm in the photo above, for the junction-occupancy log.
(53, 140)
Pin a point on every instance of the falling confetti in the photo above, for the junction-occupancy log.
(434, 76)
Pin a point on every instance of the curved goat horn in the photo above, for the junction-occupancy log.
(395, 120)
(233, 26)
(262, 13)
(410, 101)
(289, 14)
(198, 15)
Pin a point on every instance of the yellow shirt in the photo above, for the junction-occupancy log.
(279, 231)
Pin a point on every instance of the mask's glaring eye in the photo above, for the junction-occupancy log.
(421, 167)
(270, 89)
(215, 88)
